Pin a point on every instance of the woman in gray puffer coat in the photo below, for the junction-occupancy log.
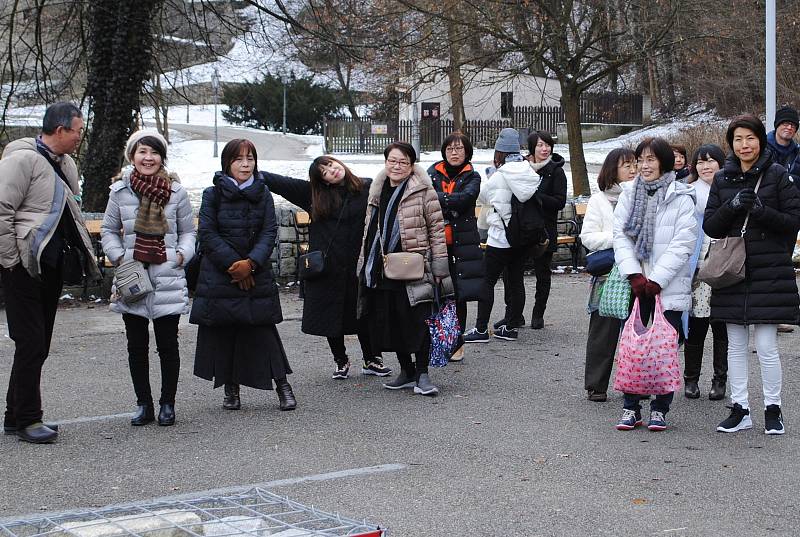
(149, 218)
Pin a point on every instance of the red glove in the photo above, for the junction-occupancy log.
(652, 289)
(638, 284)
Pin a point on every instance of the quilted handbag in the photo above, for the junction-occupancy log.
(615, 297)
(647, 358)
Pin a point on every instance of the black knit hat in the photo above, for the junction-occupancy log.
(787, 114)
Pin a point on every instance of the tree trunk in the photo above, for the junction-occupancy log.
(455, 78)
(570, 101)
(120, 49)
(652, 77)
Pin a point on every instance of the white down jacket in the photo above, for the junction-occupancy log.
(597, 231)
(512, 179)
(169, 296)
(674, 242)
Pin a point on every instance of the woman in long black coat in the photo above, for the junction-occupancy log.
(458, 184)
(768, 294)
(337, 202)
(236, 302)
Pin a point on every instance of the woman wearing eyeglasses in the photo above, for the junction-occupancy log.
(403, 215)
(458, 184)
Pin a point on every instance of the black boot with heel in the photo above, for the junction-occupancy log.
(285, 394)
(231, 400)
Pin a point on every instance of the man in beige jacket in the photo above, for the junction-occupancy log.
(40, 223)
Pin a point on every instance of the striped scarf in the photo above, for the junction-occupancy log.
(151, 223)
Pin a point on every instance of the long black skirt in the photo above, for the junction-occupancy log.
(394, 325)
(247, 355)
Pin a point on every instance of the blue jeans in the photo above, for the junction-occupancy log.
(661, 402)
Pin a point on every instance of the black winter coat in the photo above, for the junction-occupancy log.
(768, 294)
(458, 210)
(329, 307)
(552, 193)
(236, 224)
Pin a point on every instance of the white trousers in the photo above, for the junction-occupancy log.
(766, 341)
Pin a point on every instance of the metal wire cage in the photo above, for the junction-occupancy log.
(254, 513)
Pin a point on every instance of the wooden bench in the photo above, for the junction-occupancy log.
(569, 230)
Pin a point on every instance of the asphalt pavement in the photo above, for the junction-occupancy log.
(511, 446)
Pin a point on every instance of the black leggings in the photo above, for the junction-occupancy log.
(336, 343)
(166, 331)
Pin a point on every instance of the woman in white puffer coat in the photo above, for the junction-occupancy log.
(146, 196)
(655, 232)
(597, 234)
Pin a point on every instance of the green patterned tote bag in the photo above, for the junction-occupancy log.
(615, 298)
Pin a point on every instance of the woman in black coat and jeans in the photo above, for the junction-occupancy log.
(236, 302)
(337, 201)
(458, 185)
(770, 210)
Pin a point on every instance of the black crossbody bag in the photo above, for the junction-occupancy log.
(312, 264)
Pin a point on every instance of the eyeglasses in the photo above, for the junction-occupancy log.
(393, 162)
(80, 131)
(454, 149)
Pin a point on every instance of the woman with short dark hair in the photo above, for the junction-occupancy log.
(655, 231)
(755, 189)
(682, 170)
(597, 234)
(706, 162)
(403, 215)
(149, 219)
(337, 201)
(458, 184)
(552, 194)
(237, 303)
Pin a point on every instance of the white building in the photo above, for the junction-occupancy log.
(489, 94)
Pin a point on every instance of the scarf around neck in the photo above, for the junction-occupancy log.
(384, 242)
(640, 227)
(151, 222)
(612, 193)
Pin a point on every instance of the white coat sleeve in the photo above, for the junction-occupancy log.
(596, 233)
(185, 227)
(111, 230)
(680, 248)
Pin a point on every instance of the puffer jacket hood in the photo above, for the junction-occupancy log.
(517, 176)
(556, 161)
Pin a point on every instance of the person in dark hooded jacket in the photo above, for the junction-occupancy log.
(552, 194)
(753, 197)
(236, 302)
(458, 184)
(781, 140)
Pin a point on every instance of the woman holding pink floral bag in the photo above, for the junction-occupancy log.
(655, 231)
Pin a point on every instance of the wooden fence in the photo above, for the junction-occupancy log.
(373, 135)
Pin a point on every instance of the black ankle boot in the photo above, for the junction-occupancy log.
(691, 389)
(166, 416)
(285, 395)
(717, 392)
(144, 414)
(231, 400)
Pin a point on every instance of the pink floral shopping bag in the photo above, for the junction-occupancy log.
(647, 358)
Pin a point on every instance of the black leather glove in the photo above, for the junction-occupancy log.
(744, 200)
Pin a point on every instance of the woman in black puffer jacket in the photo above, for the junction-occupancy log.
(236, 301)
(458, 184)
(768, 295)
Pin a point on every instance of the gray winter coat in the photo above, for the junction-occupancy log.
(169, 296)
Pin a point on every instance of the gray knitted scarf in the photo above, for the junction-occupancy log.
(640, 226)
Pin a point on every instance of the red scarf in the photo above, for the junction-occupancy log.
(151, 223)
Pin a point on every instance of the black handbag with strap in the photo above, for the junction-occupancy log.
(312, 264)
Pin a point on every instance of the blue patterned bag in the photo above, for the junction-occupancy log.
(445, 330)
(615, 298)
